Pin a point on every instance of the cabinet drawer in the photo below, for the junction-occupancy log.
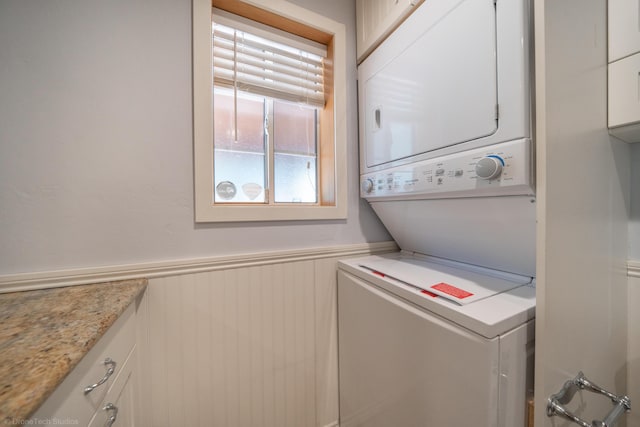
(69, 400)
(624, 91)
(624, 28)
(119, 401)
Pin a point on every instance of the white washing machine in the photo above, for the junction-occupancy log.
(441, 334)
(424, 343)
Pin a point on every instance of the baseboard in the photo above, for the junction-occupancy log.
(81, 276)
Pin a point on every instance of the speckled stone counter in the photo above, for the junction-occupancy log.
(45, 333)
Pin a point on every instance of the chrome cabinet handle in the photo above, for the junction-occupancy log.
(112, 367)
(114, 413)
(555, 403)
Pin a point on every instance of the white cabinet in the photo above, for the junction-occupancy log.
(108, 370)
(624, 28)
(376, 19)
(118, 407)
(624, 69)
(624, 97)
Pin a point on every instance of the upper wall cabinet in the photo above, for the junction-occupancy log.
(376, 19)
(624, 28)
(624, 69)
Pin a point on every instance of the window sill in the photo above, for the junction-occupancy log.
(245, 213)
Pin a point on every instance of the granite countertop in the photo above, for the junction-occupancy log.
(45, 333)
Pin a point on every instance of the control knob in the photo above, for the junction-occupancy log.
(367, 186)
(489, 167)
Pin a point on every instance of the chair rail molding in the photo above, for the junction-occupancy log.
(81, 276)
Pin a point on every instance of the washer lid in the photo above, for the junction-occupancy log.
(458, 286)
(500, 301)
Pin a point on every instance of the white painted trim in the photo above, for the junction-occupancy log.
(633, 268)
(81, 276)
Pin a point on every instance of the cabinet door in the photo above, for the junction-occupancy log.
(624, 28)
(376, 19)
(624, 91)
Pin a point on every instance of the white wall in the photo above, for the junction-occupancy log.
(633, 373)
(634, 221)
(633, 354)
(96, 140)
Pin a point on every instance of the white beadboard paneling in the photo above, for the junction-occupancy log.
(141, 367)
(251, 346)
(175, 368)
(326, 341)
(633, 364)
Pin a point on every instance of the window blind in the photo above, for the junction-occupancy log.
(255, 64)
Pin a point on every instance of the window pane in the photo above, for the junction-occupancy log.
(239, 177)
(250, 125)
(239, 165)
(294, 128)
(295, 179)
(295, 148)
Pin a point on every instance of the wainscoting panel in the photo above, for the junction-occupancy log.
(326, 342)
(633, 358)
(241, 347)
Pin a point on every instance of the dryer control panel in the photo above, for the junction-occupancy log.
(496, 170)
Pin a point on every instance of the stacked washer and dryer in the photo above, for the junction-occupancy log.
(441, 333)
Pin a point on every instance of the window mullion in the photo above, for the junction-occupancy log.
(269, 160)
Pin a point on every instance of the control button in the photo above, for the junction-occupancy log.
(459, 172)
(367, 186)
(489, 167)
(439, 172)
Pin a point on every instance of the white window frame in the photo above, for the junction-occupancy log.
(205, 209)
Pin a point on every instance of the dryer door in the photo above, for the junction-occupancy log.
(432, 83)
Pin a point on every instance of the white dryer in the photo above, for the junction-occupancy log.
(441, 334)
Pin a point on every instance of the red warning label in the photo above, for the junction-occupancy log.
(451, 290)
(431, 294)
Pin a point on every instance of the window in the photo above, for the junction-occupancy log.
(267, 142)
(266, 99)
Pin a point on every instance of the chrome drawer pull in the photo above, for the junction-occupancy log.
(114, 413)
(555, 403)
(112, 367)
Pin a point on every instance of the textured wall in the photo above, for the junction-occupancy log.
(96, 140)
